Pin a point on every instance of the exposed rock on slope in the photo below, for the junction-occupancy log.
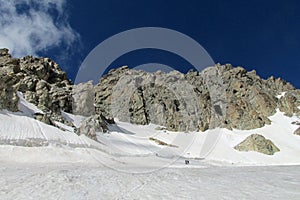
(290, 102)
(297, 131)
(8, 80)
(83, 99)
(44, 84)
(219, 96)
(257, 143)
(91, 125)
(142, 98)
(41, 81)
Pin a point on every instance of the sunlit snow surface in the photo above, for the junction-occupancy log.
(126, 164)
(95, 182)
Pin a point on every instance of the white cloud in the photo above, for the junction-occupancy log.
(31, 26)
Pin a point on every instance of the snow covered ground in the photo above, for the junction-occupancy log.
(95, 182)
(139, 145)
(134, 161)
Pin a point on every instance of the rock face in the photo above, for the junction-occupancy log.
(8, 80)
(44, 84)
(219, 96)
(41, 81)
(290, 102)
(259, 143)
(142, 98)
(83, 99)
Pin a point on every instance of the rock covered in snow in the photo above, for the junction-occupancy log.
(259, 143)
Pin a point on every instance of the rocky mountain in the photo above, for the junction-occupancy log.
(219, 96)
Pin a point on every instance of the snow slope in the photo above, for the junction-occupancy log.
(129, 145)
(84, 181)
(134, 141)
(23, 126)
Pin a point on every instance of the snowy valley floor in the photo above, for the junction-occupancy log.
(69, 181)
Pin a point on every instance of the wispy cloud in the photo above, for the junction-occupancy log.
(28, 27)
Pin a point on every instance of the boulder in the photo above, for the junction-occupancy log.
(258, 143)
(92, 125)
(297, 131)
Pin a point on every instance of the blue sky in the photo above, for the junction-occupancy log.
(260, 35)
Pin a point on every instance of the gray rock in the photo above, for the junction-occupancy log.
(297, 131)
(83, 99)
(4, 52)
(290, 102)
(219, 96)
(142, 98)
(258, 143)
(40, 80)
(43, 118)
(91, 125)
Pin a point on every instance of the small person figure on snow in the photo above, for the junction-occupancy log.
(187, 162)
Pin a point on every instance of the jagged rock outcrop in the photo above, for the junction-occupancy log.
(91, 125)
(258, 143)
(8, 80)
(249, 100)
(43, 118)
(219, 96)
(142, 98)
(289, 103)
(297, 131)
(83, 99)
(278, 84)
(44, 84)
(41, 81)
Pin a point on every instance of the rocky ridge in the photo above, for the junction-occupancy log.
(219, 96)
(41, 81)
